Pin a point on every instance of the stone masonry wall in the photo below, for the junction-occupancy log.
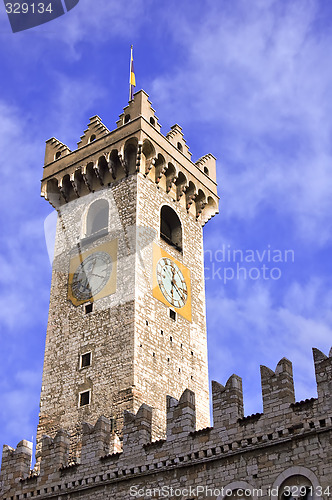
(108, 332)
(288, 441)
(170, 356)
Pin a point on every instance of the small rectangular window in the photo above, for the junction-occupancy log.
(88, 308)
(85, 360)
(172, 314)
(84, 398)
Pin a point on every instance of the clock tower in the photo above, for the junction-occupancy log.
(127, 307)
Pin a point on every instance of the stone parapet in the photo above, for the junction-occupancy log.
(243, 447)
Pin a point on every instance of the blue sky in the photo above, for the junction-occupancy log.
(250, 82)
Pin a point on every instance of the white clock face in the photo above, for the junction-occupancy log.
(171, 282)
(91, 275)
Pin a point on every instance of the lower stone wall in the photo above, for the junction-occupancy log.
(259, 470)
(285, 449)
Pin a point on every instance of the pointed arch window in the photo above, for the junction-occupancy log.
(170, 227)
(97, 218)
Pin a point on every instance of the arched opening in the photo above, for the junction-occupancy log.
(295, 487)
(53, 192)
(92, 138)
(114, 164)
(160, 166)
(130, 155)
(239, 494)
(148, 153)
(102, 169)
(239, 490)
(180, 183)
(57, 155)
(152, 121)
(170, 175)
(97, 218)
(210, 209)
(66, 189)
(200, 201)
(79, 185)
(190, 194)
(170, 227)
(206, 171)
(180, 148)
(126, 119)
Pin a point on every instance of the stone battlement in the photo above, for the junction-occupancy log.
(103, 158)
(105, 459)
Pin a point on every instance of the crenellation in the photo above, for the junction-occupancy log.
(96, 129)
(104, 157)
(323, 372)
(277, 388)
(137, 429)
(54, 452)
(227, 403)
(55, 150)
(207, 164)
(15, 465)
(140, 106)
(181, 415)
(142, 458)
(175, 136)
(97, 440)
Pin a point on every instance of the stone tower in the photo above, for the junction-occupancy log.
(127, 307)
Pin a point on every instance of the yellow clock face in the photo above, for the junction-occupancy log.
(92, 274)
(171, 282)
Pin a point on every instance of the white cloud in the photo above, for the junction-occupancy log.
(19, 401)
(96, 23)
(252, 328)
(258, 78)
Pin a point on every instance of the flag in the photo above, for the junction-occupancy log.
(132, 79)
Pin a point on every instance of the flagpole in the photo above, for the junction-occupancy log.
(130, 65)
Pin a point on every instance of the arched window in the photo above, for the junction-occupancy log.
(97, 218)
(296, 487)
(170, 227)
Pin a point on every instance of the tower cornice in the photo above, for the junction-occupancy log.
(165, 159)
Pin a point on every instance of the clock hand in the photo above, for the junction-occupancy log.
(99, 276)
(93, 265)
(171, 277)
(179, 293)
(182, 296)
